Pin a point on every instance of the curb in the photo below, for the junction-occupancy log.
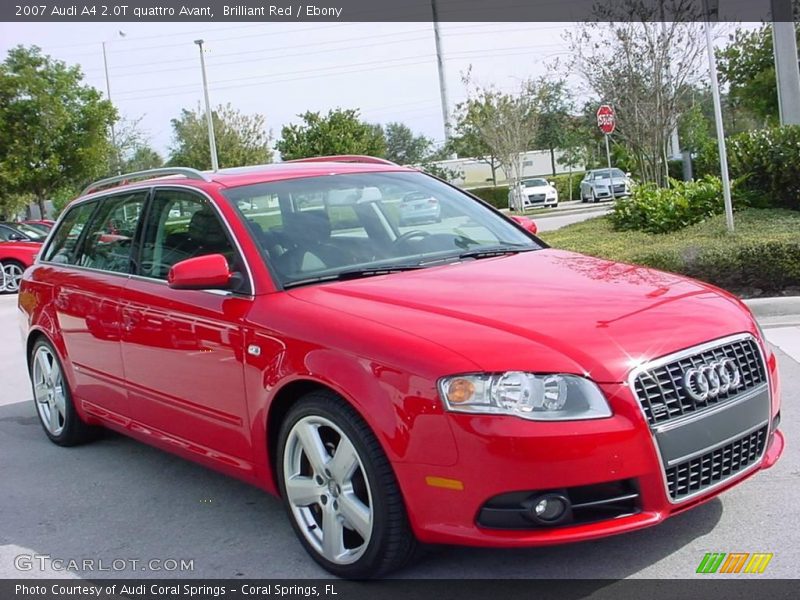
(781, 306)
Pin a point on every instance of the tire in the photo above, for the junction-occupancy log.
(13, 275)
(53, 399)
(326, 496)
(594, 198)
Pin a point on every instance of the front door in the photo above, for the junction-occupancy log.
(183, 349)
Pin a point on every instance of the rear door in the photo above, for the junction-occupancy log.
(89, 262)
(183, 349)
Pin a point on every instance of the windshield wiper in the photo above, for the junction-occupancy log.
(478, 253)
(355, 274)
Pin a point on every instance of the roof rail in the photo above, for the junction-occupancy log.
(148, 174)
(346, 158)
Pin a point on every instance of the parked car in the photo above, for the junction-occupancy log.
(454, 383)
(535, 192)
(20, 232)
(15, 257)
(43, 225)
(605, 184)
(419, 207)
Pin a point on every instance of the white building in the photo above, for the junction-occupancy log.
(477, 173)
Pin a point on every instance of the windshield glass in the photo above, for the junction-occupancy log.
(330, 227)
(606, 174)
(534, 182)
(31, 232)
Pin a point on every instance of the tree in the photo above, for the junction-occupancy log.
(241, 139)
(142, 159)
(505, 123)
(53, 128)
(747, 65)
(339, 132)
(467, 141)
(554, 117)
(405, 148)
(643, 64)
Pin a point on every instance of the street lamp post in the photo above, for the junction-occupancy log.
(209, 119)
(117, 160)
(723, 152)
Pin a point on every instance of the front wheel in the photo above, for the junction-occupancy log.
(340, 491)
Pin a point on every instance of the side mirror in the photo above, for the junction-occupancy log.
(209, 272)
(16, 237)
(526, 223)
(553, 183)
(628, 174)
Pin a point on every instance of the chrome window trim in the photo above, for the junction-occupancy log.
(680, 354)
(152, 187)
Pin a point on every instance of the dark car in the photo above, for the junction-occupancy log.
(20, 232)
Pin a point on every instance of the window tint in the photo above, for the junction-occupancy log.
(108, 240)
(181, 225)
(62, 247)
(320, 226)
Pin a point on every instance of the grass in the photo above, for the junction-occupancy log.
(762, 256)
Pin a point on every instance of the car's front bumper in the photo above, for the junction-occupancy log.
(500, 455)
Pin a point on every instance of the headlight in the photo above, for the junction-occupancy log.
(526, 395)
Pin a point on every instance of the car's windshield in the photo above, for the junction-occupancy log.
(534, 182)
(319, 228)
(31, 232)
(608, 173)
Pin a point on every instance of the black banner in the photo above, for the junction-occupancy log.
(739, 588)
(394, 10)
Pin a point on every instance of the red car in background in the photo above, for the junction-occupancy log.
(43, 225)
(455, 382)
(15, 257)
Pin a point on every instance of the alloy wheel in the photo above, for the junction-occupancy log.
(12, 273)
(49, 390)
(327, 490)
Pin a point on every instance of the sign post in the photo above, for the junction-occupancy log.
(607, 122)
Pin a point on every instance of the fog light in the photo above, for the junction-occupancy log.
(550, 509)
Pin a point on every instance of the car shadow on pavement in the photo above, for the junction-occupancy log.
(118, 499)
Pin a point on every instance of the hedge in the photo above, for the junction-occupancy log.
(496, 196)
(762, 257)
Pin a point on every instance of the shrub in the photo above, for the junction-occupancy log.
(662, 210)
(766, 164)
(562, 186)
(761, 257)
(496, 196)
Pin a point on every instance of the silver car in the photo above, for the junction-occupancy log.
(605, 184)
(418, 207)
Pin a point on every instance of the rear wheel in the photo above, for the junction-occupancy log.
(12, 271)
(53, 399)
(340, 491)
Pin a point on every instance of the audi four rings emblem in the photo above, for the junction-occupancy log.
(712, 379)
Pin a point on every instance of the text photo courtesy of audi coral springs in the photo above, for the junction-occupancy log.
(280, 324)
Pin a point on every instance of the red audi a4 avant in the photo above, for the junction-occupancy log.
(454, 382)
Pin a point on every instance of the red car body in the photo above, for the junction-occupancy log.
(172, 368)
(15, 257)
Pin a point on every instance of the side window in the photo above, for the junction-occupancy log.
(181, 225)
(108, 240)
(62, 247)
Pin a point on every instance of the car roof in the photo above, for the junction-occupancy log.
(238, 176)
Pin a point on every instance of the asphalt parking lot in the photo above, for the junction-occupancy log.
(119, 500)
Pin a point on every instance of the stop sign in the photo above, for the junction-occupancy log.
(606, 120)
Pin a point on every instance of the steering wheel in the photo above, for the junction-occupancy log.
(410, 235)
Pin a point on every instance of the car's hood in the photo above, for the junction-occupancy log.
(539, 189)
(546, 311)
(614, 181)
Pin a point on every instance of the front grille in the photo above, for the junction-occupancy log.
(701, 472)
(619, 189)
(662, 395)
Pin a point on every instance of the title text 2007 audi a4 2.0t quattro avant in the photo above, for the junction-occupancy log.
(453, 382)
